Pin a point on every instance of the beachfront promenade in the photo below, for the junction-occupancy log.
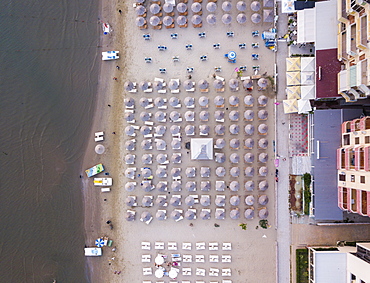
(164, 194)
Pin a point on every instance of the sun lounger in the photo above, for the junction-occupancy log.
(227, 281)
(230, 34)
(213, 246)
(242, 45)
(147, 271)
(162, 70)
(202, 34)
(226, 258)
(172, 246)
(200, 272)
(145, 281)
(187, 258)
(145, 258)
(186, 271)
(226, 246)
(226, 271)
(199, 258)
(99, 136)
(159, 245)
(213, 258)
(190, 70)
(185, 281)
(214, 272)
(149, 123)
(199, 281)
(145, 245)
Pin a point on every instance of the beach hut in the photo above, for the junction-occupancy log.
(220, 171)
(249, 129)
(249, 143)
(249, 171)
(241, 18)
(255, 6)
(249, 213)
(190, 186)
(249, 186)
(263, 157)
(263, 185)
(235, 172)
(234, 158)
(249, 115)
(263, 199)
(234, 143)
(211, 7)
(256, 18)
(226, 18)
(220, 157)
(205, 200)
(235, 213)
(220, 213)
(249, 200)
(130, 186)
(220, 143)
(263, 171)
(263, 213)
(205, 172)
(205, 214)
(263, 143)
(234, 129)
(249, 157)
(241, 6)
(161, 215)
(211, 18)
(205, 186)
(234, 186)
(161, 186)
(189, 130)
(226, 6)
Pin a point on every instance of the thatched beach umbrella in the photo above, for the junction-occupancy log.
(140, 10)
(161, 172)
(159, 116)
(189, 116)
(234, 158)
(263, 171)
(147, 201)
(176, 158)
(189, 201)
(160, 130)
(196, 19)
(99, 149)
(235, 213)
(146, 144)
(263, 157)
(204, 129)
(262, 114)
(161, 158)
(189, 101)
(129, 130)
(241, 18)
(249, 157)
(262, 129)
(203, 84)
(220, 214)
(256, 18)
(217, 84)
(220, 201)
(129, 117)
(154, 20)
(234, 115)
(248, 100)
(249, 213)
(159, 102)
(255, 6)
(220, 157)
(160, 144)
(189, 130)
(130, 216)
(176, 144)
(235, 171)
(263, 199)
(181, 7)
(140, 21)
(220, 129)
(161, 186)
(263, 213)
(175, 201)
(160, 215)
(144, 102)
(173, 84)
(181, 20)
(263, 143)
(130, 145)
(262, 82)
(249, 171)
(226, 6)
(219, 100)
(219, 115)
(190, 186)
(176, 172)
(147, 158)
(235, 143)
(211, 18)
(220, 171)
(234, 129)
(154, 8)
(249, 129)
(211, 7)
(233, 83)
(249, 200)
(204, 115)
(226, 19)
(144, 116)
(175, 215)
(175, 129)
(205, 215)
(205, 186)
(220, 143)
(188, 84)
(130, 173)
(233, 100)
(176, 186)
(167, 21)
(205, 200)
(249, 143)
(205, 172)
(174, 101)
(146, 172)
(248, 115)
(145, 130)
(249, 186)
(130, 201)
(129, 102)
(168, 8)
(196, 7)
(234, 186)
(189, 215)
(263, 185)
(241, 6)
(130, 186)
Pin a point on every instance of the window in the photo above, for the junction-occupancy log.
(362, 179)
(357, 140)
(367, 139)
(352, 178)
(342, 177)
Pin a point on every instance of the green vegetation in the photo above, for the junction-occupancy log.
(302, 265)
(307, 193)
(264, 223)
(243, 225)
(325, 249)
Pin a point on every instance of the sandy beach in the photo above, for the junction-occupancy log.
(253, 252)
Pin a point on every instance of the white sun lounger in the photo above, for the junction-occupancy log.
(147, 271)
(226, 246)
(146, 258)
(200, 246)
(99, 136)
(186, 246)
(186, 271)
(200, 272)
(226, 271)
(226, 258)
(145, 245)
(159, 245)
(172, 246)
(199, 258)
(187, 258)
(213, 258)
(213, 246)
(214, 271)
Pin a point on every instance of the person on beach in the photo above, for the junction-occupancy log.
(120, 12)
(115, 79)
(117, 67)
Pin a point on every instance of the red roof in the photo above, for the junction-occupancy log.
(330, 67)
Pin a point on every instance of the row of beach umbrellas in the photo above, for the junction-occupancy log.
(191, 186)
(204, 214)
(191, 200)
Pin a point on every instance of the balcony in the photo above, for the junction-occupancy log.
(363, 32)
(353, 38)
(345, 199)
(353, 200)
(364, 202)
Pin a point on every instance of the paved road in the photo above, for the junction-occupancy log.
(283, 215)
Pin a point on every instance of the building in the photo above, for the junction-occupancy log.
(353, 165)
(340, 264)
(353, 49)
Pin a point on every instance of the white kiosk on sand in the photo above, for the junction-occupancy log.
(110, 55)
(201, 149)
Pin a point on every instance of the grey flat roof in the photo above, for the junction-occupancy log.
(327, 134)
